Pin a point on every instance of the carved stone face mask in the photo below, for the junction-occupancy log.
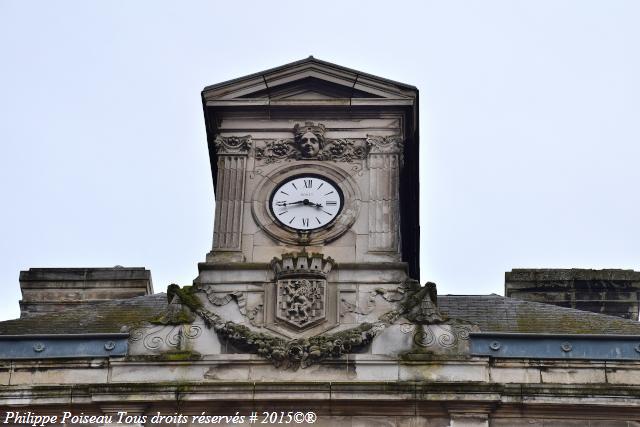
(309, 145)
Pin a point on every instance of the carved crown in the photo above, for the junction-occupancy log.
(302, 264)
(316, 129)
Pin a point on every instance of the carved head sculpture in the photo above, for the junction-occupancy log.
(309, 138)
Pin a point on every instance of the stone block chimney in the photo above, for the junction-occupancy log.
(46, 290)
(612, 291)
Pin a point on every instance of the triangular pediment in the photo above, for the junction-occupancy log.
(307, 81)
(310, 88)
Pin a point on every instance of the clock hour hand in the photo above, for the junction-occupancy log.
(306, 202)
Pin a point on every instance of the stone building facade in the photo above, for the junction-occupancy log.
(309, 300)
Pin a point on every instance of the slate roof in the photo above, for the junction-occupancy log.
(103, 317)
(495, 313)
(492, 313)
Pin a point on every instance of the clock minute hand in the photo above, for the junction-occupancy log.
(289, 204)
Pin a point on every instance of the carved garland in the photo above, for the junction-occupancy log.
(284, 353)
(337, 150)
(309, 142)
(419, 306)
(232, 144)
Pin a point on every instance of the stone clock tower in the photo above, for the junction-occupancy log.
(315, 168)
(315, 242)
(331, 128)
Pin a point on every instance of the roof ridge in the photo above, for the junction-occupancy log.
(310, 60)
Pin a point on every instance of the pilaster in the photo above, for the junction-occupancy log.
(232, 155)
(384, 161)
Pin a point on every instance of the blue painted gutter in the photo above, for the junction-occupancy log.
(63, 346)
(555, 346)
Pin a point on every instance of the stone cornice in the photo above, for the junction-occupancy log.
(403, 394)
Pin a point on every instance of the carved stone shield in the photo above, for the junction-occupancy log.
(300, 302)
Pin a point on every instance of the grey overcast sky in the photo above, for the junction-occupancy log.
(530, 127)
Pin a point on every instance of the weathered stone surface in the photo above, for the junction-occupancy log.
(444, 371)
(623, 373)
(515, 374)
(516, 422)
(46, 290)
(232, 160)
(393, 341)
(469, 420)
(571, 374)
(53, 374)
(361, 152)
(610, 291)
(5, 372)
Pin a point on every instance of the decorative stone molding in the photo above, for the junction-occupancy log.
(345, 150)
(219, 299)
(310, 143)
(301, 302)
(419, 304)
(216, 299)
(394, 295)
(164, 338)
(443, 336)
(230, 145)
(300, 353)
(301, 288)
(302, 264)
(277, 150)
(384, 144)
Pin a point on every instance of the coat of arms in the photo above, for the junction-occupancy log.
(301, 302)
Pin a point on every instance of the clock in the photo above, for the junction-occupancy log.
(306, 202)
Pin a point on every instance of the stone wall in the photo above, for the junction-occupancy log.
(46, 290)
(612, 291)
(423, 392)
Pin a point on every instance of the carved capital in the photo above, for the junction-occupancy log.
(384, 144)
(238, 145)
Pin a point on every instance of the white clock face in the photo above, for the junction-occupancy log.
(306, 202)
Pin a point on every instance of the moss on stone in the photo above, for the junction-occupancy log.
(181, 355)
(174, 316)
(170, 356)
(186, 295)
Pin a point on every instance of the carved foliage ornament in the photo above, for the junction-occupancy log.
(232, 144)
(384, 144)
(309, 142)
(419, 306)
